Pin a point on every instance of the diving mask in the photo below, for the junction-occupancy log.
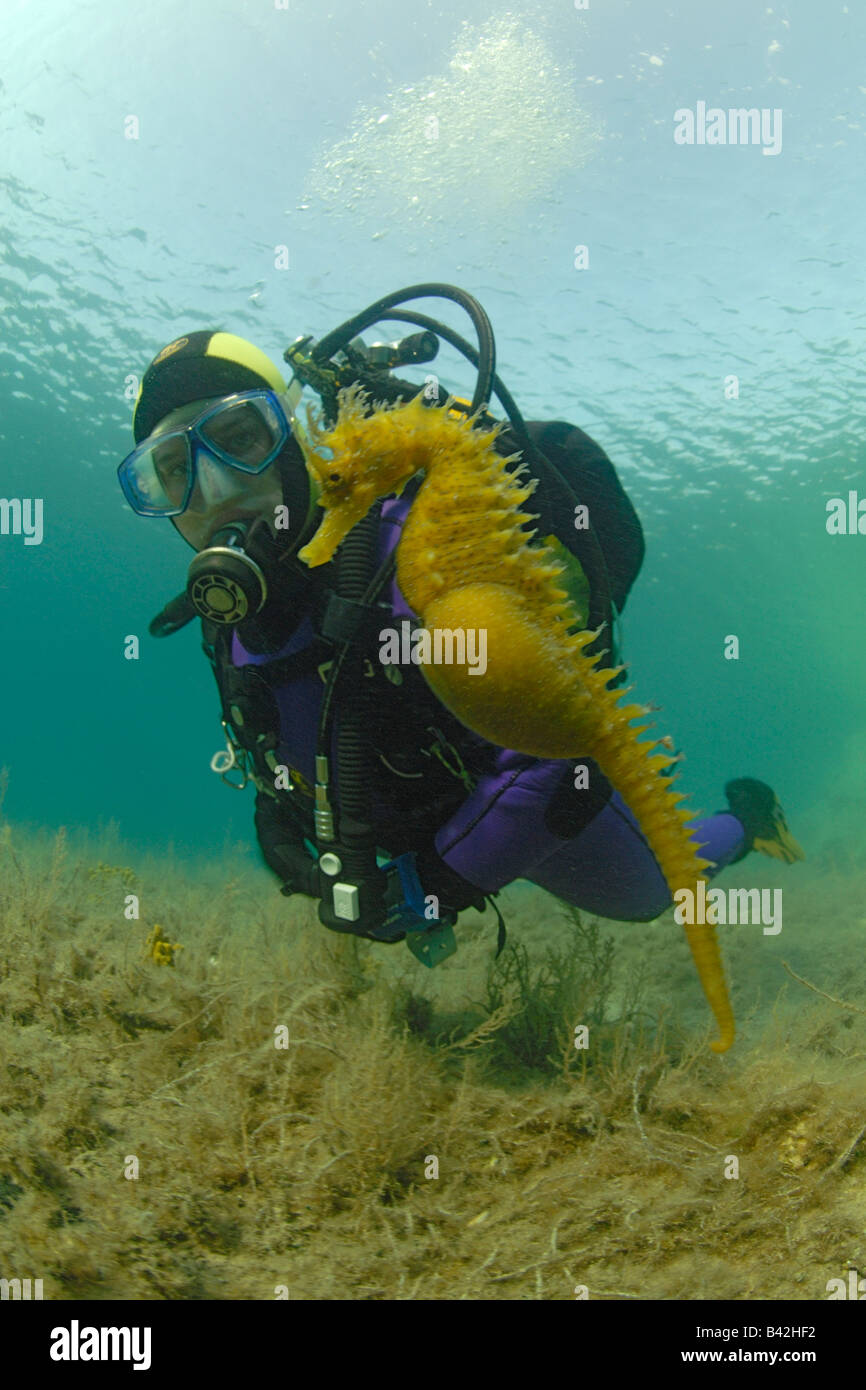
(246, 431)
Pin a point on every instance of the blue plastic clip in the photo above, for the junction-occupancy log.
(429, 940)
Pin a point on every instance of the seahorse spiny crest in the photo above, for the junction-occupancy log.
(467, 560)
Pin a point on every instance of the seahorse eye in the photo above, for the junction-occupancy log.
(334, 477)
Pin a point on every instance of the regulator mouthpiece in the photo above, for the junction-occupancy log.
(224, 584)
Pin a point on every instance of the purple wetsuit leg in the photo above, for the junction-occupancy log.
(609, 869)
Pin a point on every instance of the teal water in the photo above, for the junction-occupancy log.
(309, 128)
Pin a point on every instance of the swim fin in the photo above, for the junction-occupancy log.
(757, 808)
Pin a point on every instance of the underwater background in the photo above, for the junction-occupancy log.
(385, 147)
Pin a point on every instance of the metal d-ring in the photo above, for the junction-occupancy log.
(227, 759)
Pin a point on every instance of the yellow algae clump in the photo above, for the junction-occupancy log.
(159, 948)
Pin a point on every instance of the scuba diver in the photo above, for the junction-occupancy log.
(371, 796)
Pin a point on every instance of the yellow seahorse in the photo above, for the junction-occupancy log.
(466, 560)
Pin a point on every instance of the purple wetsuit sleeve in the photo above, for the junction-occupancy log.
(498, 833)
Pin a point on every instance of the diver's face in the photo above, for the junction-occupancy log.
(221, 493)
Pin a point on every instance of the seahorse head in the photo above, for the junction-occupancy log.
(361, 458)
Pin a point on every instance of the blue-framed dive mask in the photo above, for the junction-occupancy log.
(246, 432)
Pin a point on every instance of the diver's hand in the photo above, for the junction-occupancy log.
(452, 892)
(300, 873)
(408, 906)
(297, 872)
(282, 849)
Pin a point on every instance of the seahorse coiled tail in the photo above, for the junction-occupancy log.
(466, 561)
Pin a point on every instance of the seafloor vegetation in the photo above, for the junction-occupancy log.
(261, 1109)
